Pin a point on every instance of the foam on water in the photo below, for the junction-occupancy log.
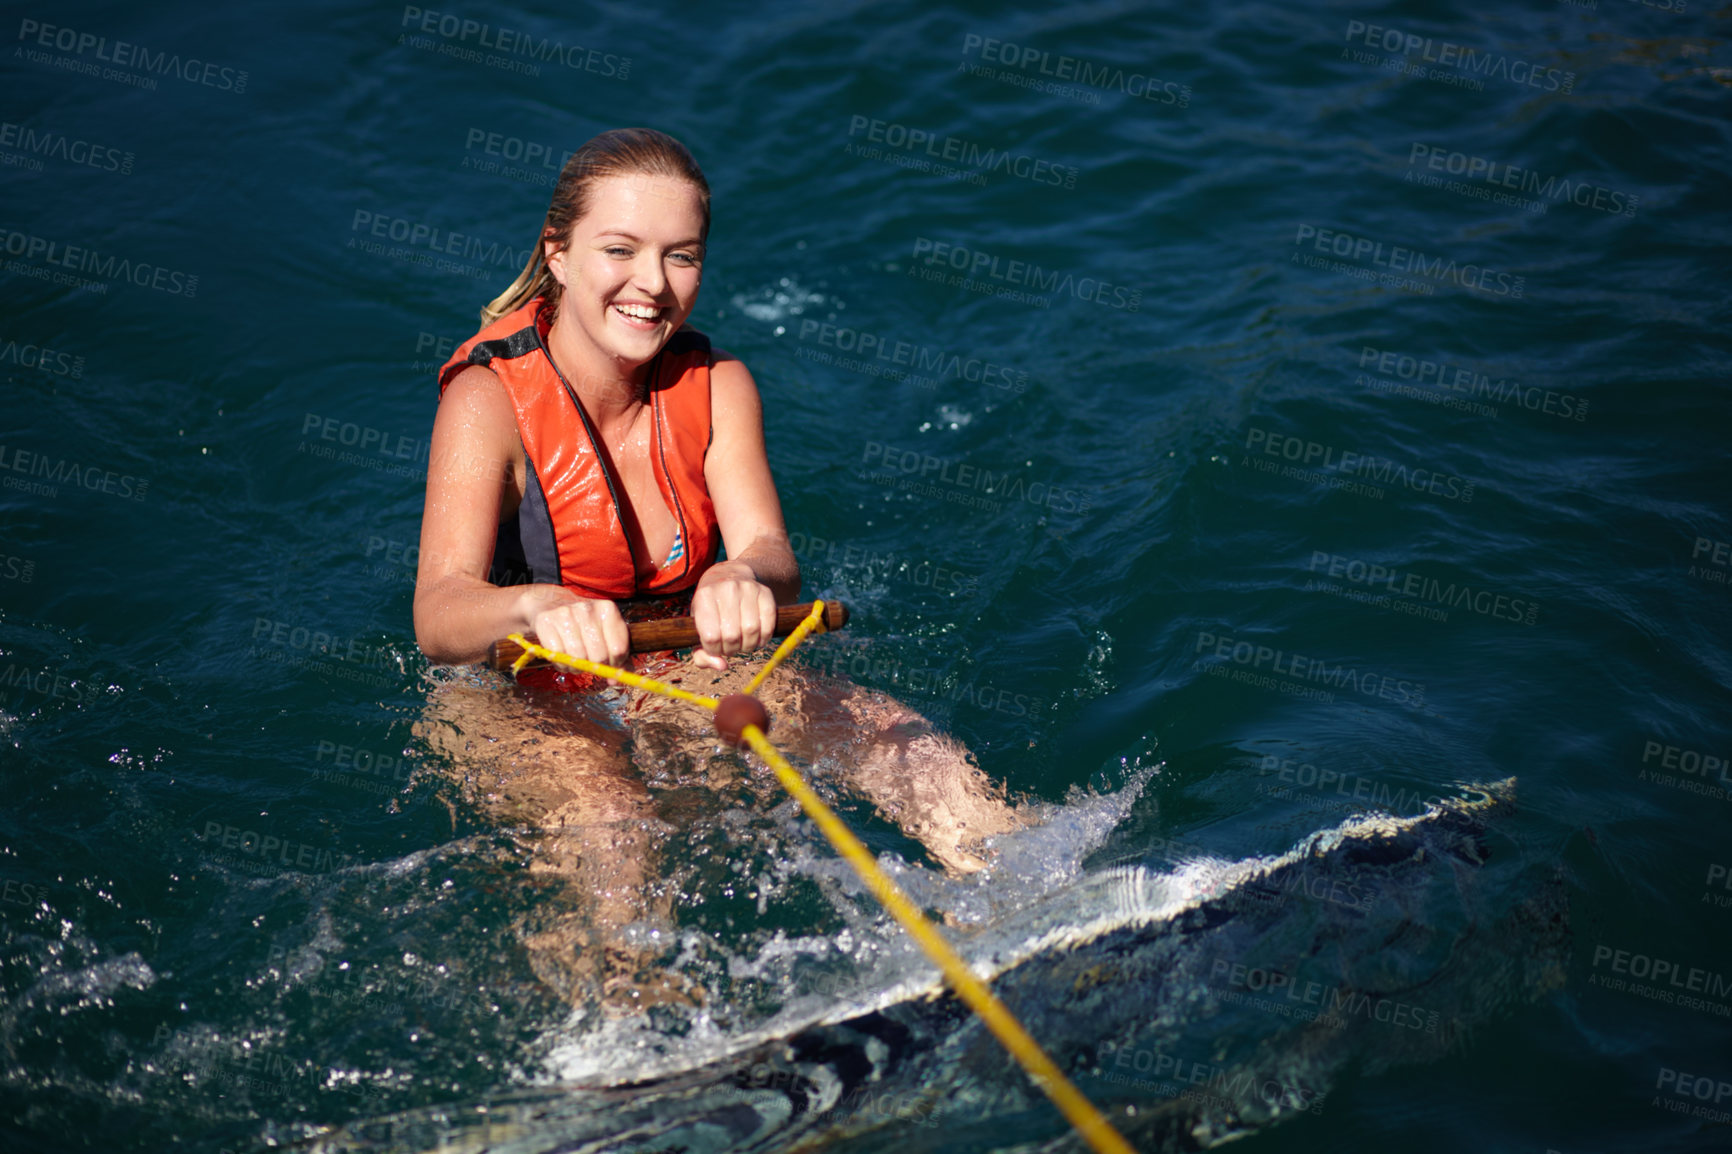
(783, 301)
(869, 964)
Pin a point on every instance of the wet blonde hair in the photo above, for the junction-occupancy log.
(618, 152)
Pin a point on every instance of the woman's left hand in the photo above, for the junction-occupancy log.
(734, 612)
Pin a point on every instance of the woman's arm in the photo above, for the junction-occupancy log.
(472, 470)
(735, 602)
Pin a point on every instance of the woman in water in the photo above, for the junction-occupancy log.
(591, 454)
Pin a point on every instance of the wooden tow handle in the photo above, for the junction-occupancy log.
(674, 633)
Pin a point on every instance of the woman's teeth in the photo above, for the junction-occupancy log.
(639, 312)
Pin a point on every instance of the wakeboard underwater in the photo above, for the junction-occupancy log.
(1194, 1004)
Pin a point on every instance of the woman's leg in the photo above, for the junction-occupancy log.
(550, 768)
(559, 769)
(924, 781)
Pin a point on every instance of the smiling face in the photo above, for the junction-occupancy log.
(631, 266)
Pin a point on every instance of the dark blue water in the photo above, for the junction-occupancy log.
(1223, 419)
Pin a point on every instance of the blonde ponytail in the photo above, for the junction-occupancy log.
(535, 280)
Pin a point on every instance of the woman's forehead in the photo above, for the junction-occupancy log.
(641, 195)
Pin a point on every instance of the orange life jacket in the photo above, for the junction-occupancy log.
(567, 529)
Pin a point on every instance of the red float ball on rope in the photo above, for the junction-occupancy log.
(735, 712)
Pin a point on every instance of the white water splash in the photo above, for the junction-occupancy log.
(870, 964)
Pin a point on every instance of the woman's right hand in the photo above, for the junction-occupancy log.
(580, 626)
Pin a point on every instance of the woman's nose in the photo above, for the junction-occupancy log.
(648, 274)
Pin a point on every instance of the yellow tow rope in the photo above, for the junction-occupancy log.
(1089, 1122)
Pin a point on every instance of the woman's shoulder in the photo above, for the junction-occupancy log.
(729, 372)
(476, 422)
(477, 389)
(732, 388)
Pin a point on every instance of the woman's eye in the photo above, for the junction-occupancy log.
(617, 250)
(685, 258)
